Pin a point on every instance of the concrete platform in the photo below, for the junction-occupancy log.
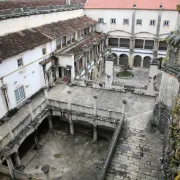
(70, 158)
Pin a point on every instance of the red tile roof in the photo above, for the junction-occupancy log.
(67, 27)
(35, 3)
(78, 50)
(128, 4)
(16, 43)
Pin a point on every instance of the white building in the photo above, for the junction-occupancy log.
(135, 29)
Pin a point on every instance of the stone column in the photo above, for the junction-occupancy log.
(69, 99)
(71, 126)
(124, 105)
(142, 60)
(50, 121)
(109, 113)
(76, 35)
(77, 65)
(61, 43)
(95, 133)
(30, 109)
(95, 105)
(36, 141)
(10, 166)
(18, 161)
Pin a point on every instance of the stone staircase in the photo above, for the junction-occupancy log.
(138, 152)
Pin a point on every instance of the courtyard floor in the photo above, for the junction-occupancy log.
(70, 158)
(141, 77)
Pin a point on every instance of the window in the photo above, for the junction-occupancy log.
(126, 22)
(152, 23)
(166, 23)
(19, 94)
(44, 51)
(101, 20)
(113, 21)
(20, 62)
(139, 22)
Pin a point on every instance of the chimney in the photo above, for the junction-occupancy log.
(68, 2)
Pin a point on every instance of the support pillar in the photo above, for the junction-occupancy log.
(123, 106)
(69, 99)
(109, 113)
(10, 166)
(71, 127)
(95, 105)
(95, 134)
(36, 141)
(142, 60)
(18, 161)
(50, 121)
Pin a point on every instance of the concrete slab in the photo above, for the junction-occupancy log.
(70, 158)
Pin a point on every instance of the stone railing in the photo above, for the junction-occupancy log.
(26, 11)
(111, 150)
(85, 109)
(23, 124)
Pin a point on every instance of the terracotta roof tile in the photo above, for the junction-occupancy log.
(78, 50)
(35, 3)
(15, 43)
(64, 28)
(128, 4)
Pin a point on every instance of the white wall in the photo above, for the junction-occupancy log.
(107, 14)
(18, 24)
(68, 61)
(30, 76)
(120, 14)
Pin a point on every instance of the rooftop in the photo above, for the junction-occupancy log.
(16, 43)
(128, 4)
(67, 27)
(35, 3)
(78, 49)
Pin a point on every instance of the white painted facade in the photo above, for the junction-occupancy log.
(30, 76)
(26, 22)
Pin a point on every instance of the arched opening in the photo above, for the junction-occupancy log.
(162, 45)
(82, 127)
(160, 62)
(146, 62)
(137, 61)
(115, 59)
(123, 59)
(60, 123)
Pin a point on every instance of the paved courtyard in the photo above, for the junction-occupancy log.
(108, 100)
(70, 158)
(141, 77)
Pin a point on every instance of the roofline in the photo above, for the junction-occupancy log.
(133, 8)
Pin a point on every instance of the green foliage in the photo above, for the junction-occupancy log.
(124, 74)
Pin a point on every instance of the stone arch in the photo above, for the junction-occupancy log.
(137, 61)
(146, 62)
(115, 58)
(123, 59)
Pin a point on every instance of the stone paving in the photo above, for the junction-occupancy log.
(70, 158)
(141, 77)
(138, 152)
